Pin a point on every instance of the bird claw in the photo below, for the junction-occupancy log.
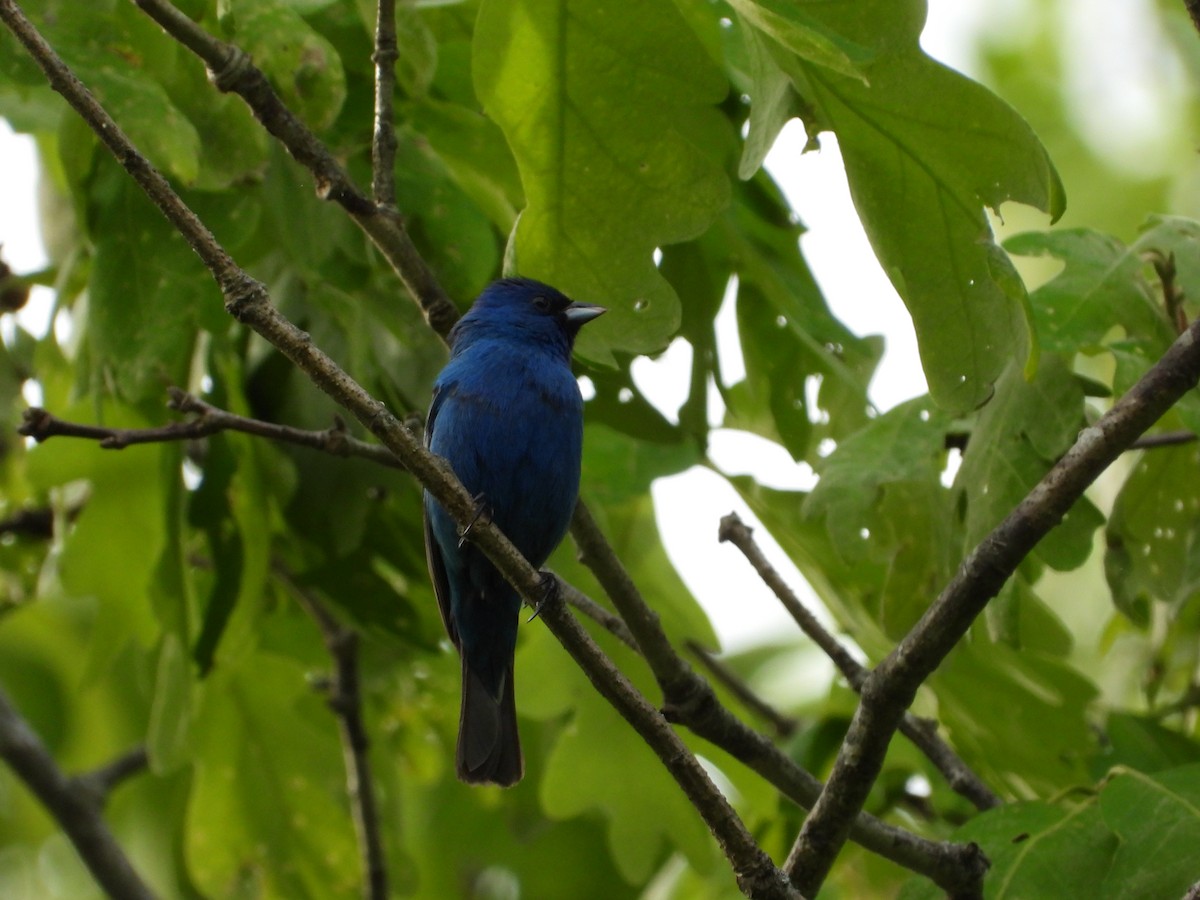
(483, 510)
(549, 585)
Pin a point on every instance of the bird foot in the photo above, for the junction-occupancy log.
(549, 587)
(483, 512)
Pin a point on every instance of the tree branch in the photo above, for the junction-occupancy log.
(757, 876)
(101, 782)
(74, 803)
(890, 689)
(231, 70)
(345, 700)
(922, 733)
(783, 726)
(248, 301)
(689, 700)
(1165, 439)
(383, 144)
(42, 425)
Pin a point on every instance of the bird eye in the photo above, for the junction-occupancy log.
(541, 304)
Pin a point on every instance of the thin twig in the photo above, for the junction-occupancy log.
(345, 700)
(690, 700)
(890, 689)
(757, 876)
(231, 70)
(1164, 268)
(42, 425)
(1163, 439)
(101, 782)
(76, 811)
(783, 726)
(383, 143)
(613, 623)
(922, 733)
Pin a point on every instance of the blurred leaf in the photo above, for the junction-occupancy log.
(1157, 821)
(773, 102)
(476, 157)
(147, 296)
(609, 137)
(806, 373)
(168, 741)
(1153, 534)
(991, 698)
(1038, 849)
(266, 814)
(578, 780)
(117, 539)
(1141, 743)
(1017, 438)
(302, 65)
(1102, 299)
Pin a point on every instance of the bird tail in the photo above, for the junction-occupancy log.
(489, 747)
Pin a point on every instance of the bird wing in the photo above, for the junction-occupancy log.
(433, 553)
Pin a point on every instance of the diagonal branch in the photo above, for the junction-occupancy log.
(75, 803)
(756, 874)
(247, 300)
(231, 70)
(689, 699)
(890, 689)
(922, 733)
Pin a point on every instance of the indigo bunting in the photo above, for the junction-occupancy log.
(508, 417)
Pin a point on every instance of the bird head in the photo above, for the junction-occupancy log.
(526, 310)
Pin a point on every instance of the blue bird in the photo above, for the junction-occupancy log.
(508, 417)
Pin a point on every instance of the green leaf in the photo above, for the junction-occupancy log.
(147, 295)
(991, 698)
(168, 740)
(1157, 820)
(1153, 538)
(614, 143)
(773, 103)
(805, 36)
(267, 810)
(1100, 286)
(577, 781)
(925, 150)
(1144, 744)
(790, 341)
(112, 552)
(1018, 437)
(302, 65)
(154, 124)
(905, 444)
(476, 157)
(1038, 849)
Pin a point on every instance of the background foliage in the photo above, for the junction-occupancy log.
(577, 138)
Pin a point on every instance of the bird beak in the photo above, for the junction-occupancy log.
(578, 314)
